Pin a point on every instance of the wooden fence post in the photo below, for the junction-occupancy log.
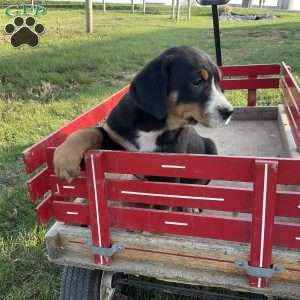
(89, 15)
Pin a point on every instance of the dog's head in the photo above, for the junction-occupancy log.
(182, 86)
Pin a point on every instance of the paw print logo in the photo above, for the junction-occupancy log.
(24, 32)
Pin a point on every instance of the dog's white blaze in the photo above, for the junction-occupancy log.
(217, 101)
(298, 206)
(147, 140)
(297, 238)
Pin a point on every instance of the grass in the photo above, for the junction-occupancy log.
(42, 89)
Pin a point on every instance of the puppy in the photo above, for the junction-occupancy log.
(177, 89)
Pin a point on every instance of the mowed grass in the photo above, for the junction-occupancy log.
(44, 88)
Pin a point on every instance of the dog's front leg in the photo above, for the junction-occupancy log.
(68, 156)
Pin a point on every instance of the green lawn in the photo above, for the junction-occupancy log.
(43, 88)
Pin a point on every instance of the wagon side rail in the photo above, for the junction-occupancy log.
(291, 98)
(263, 202)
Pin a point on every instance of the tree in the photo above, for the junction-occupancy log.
(132, 6)
(144, 6)
(189, 3)
(247, 3)
(173, 9)
(177, 9)
(104, 5)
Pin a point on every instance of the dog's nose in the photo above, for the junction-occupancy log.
(225, 112)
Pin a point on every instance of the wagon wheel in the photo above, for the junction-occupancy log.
(84, 284)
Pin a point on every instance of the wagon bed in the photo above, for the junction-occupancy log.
(251, 209)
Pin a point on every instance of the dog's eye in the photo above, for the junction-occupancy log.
(197, 81)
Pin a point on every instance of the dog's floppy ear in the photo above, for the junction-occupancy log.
(149, 88)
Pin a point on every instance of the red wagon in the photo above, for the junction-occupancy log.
(247, 238)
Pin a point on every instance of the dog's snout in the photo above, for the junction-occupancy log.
(225, 112)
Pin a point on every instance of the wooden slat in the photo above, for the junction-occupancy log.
(38, 185)
(291, 81)
(77, 188)
(72, 213)
(185, 166)
(44, 211)
(291, 98)
(232, 229)
(249, 84)
(181, 195)
(35, 155)
(288, 204)
(287, 235)
(179, 165)
(264, 196)
(97, 200)
(250, 70)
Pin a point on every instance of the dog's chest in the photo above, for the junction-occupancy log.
(147, 141)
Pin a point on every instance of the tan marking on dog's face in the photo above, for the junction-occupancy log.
(181, 114)
(204, 74)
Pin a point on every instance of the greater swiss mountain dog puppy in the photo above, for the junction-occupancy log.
(177, 89)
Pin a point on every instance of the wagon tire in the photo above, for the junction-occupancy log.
(83, 284)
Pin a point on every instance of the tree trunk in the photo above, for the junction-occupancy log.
(104, 5)
(247, 3)
(177, 10)
(132, 6)
(173, 9)
(260, 3)
(284, 4)
(189, 9)
(89, 15)
(144, 6)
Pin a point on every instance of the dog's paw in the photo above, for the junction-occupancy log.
(23, 32)
(66, 162)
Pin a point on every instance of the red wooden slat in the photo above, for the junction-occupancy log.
(250, 70)
(291, 97)
(232, 229)
(293, 121)
(77, 188)
(249, 84)
(287, 235)
(38, 185)
(263, 218)
(35, 155)
(291, 81)
(73, 213)
(178, 165)
(44, 211)
(182, 195)
(98, 205)
(288, 204)
(49, 159)
(228, 168)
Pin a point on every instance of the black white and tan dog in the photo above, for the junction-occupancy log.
(172, 93)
